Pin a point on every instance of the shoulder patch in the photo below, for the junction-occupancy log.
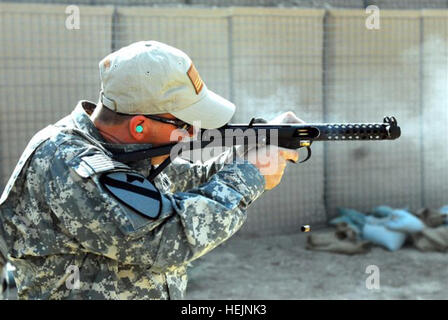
(97, 163)
(135, 191)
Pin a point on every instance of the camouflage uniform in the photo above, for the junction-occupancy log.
(55, 214)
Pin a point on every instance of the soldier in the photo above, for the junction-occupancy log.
(77, 224)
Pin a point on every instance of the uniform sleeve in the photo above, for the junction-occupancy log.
(190, 175)
(194, 223)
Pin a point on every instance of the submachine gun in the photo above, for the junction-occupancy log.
(291, 136)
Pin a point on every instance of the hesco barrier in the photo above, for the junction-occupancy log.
(325, 65)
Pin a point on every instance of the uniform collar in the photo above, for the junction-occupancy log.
(81, 118)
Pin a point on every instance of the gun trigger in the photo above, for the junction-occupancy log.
(308, 155)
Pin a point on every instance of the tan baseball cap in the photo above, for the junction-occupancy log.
(150, 77)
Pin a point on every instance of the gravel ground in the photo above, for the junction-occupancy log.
(280, 268)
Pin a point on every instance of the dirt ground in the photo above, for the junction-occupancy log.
(280, 268)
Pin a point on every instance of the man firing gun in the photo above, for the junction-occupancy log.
(97, 209)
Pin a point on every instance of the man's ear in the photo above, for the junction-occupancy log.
(139, 127)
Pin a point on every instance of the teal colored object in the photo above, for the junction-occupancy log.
(139, 129)
(382, 211)
(444, 210)
(353, 218)
(380, 235)
(404, 221)
(398, 219)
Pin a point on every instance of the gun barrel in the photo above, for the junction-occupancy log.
(294, 136)
(388, 130)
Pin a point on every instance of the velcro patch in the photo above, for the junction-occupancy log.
(97, 163)
(195, 78)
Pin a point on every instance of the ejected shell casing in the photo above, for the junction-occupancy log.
(305, 228)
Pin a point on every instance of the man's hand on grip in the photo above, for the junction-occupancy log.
(271, 160)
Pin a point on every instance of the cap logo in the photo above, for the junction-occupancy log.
(195, 78)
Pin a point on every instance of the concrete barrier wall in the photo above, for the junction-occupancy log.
(45, 69)
(435, 107)
(409, 4)
(323, 65)
(283, 3)
(108, 2)
(327, 4)
(371, 74)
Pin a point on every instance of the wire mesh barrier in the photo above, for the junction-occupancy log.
(325, 65)
(327, 4)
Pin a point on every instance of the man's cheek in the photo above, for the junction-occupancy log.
(178, 134)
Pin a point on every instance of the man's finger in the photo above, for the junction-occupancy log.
(289, 154)
(290, 117)
(287, 117)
